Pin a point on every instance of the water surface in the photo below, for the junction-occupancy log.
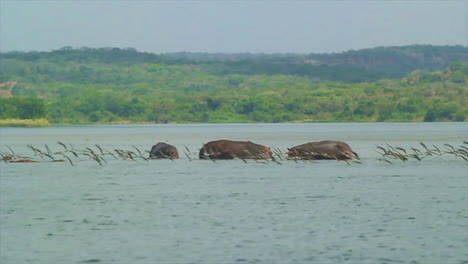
(196, 211)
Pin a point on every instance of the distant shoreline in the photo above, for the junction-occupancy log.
(45, 123)
(25, 122)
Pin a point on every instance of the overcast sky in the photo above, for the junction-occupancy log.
(231, 26)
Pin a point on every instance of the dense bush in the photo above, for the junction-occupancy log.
(112, 86)
(22, 108)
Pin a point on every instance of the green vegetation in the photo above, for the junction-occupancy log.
(22, 108)
(124, 85)
(24, 122)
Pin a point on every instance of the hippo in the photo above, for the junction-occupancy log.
(323, 150)
(228, 149)
(21, 161)
(163, 151)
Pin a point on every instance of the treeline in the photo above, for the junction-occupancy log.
(119, 88)
(180, 95)
(351, 67)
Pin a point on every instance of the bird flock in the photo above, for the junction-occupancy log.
(69, 152)
(389, 152)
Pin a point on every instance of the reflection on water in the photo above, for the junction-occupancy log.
(185, 211)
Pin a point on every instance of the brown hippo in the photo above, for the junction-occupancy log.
(21, 161)
(327, 150)
(227, 149)
(163, 151)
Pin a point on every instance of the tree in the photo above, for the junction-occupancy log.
(365, 108)
(22, 108)
(430, 116)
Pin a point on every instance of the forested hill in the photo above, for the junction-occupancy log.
(365, 65)
(412, 83)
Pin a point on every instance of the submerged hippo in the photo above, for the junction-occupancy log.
(327, 150)
(227, 149)
(21, 161)
(163, 151)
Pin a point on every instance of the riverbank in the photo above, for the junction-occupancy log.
(24, 122)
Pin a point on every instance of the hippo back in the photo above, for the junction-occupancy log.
(228, 149)
(334, 150)
(163, 151)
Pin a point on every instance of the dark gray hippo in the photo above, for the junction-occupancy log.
(323, 150)
(228, 149)
(163, 151)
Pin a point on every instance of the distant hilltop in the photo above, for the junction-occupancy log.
(350, 66)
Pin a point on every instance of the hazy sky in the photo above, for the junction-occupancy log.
(231, 26)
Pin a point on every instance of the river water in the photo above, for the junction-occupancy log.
(199, 211)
